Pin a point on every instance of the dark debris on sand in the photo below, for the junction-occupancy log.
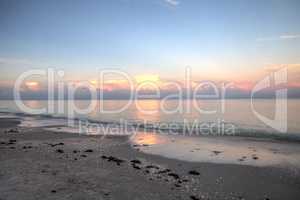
(194, 197)
(217, 152)
(12, 130)
(56, 144)
(59, 151)
(27, 147)
(174, 175)
(113, 159)
(9, 142)
(136, 161)
(194, 172)
(164, 171)
(136, 166)
(152, 167)
(254, 157)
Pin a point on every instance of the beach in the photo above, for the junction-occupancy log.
(40, 164)
(150, 100)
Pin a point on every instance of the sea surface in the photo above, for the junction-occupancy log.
(237, 112)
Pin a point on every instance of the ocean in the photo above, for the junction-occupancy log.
(237, 112)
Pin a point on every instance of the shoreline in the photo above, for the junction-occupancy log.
(252, 134)
(51, 165)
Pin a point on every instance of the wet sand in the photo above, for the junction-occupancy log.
(222, 149)
(40, 164)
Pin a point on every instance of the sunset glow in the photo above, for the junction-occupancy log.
(32, 85)
(147, 78)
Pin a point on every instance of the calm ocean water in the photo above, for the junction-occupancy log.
(236, 111)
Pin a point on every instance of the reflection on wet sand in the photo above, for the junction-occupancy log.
(147, 139)
(234, 150)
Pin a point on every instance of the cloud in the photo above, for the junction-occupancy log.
(279, 38)
(286, 37)
(172, 2)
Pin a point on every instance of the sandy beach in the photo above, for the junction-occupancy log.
(39, 164)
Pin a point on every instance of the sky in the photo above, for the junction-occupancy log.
(229, 40)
